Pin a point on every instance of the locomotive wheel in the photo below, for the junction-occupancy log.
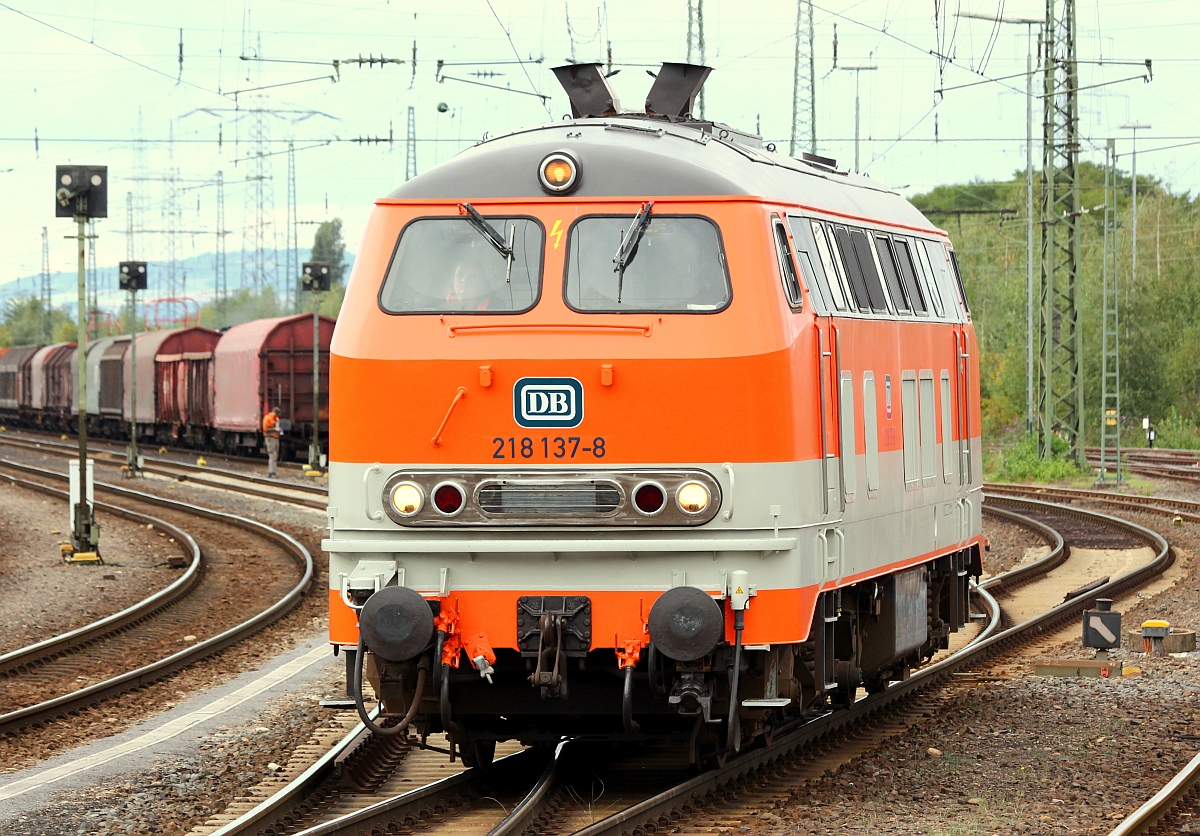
(707, 745)
(848, 678)
(876, 684)
(478, 753)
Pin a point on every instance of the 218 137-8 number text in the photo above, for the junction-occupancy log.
(557, 447)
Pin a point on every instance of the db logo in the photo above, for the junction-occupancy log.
(548, 402)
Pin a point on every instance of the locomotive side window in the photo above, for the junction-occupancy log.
(908, 273)
(930, 278)
(818, 289)
(676, 266)
(962, 290)
(447, 265)
(887, 263)
(809, 263)
(832, 270)
(858, 285)
(787, 266)
(866, 261)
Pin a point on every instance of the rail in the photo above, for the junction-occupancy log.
(14, 720)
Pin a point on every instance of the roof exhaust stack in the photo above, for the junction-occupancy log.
(588, 90)
(674, 91)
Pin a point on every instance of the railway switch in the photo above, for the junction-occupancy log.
(1102, 627)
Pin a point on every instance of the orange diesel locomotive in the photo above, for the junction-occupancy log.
(638, 428)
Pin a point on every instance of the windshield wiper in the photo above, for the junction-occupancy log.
(487, 231)
(629, 242)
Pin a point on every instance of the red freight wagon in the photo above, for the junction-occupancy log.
(44, 372)
(269, 362)
(14, 378)
(105, 383)
(173, 391)
(111, 404)
(61, 370)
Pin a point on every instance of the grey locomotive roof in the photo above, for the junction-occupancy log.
(628, 156)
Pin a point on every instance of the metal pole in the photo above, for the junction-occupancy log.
(1133, 236)
(857, 111)
(1029, 231)
(85, 539)
(857, 70)
(1135, 127)
(133, 460)
(1029, 23)
(314, 452)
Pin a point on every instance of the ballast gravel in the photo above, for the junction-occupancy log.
(1017, 754)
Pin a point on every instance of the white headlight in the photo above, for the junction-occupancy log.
(407, 498)
(692, 497)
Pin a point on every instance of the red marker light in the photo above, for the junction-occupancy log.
(649, 498)
(448, 498)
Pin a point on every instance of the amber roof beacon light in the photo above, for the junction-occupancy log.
(559, 172)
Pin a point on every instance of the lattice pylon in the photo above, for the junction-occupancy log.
(1060, 390)
(695, 45)
(804, 91)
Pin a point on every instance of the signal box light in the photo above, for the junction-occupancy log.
(316, 276)
(81, 190)
(132, 276)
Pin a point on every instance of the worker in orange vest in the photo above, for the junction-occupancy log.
(271, 430)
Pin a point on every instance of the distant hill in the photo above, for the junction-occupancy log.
(197, 274)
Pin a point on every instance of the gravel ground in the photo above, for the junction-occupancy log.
(1009, 546)
(38, 589)
(182, 790)
(1024, 754)
(1028, 754)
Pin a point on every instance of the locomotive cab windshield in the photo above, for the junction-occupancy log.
(676, 265)
(447, 265)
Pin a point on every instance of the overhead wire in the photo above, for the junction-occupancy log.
(111, 52)
(524, 69)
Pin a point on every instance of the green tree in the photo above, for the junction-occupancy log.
(242, 306)
(23, 320)
(328, 246)
(1159, 312)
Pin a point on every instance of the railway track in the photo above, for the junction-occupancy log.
(1178, 802)
(475, 801)
(185, 607)
(1179, 465)
(556, 802)
(299, 493)
(117, 448)
(1170, 810)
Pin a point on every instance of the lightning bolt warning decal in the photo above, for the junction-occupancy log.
(556, 232)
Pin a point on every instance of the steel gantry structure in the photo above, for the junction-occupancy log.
(1060, 389)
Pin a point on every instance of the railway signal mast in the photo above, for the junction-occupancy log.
(133, 279)
(81, 192)
(316, 280)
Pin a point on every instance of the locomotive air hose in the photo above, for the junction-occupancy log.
(357, 688)
(739, 622)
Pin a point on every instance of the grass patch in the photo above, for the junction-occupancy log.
(1018, 461)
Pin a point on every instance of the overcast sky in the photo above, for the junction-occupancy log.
(89, 77)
